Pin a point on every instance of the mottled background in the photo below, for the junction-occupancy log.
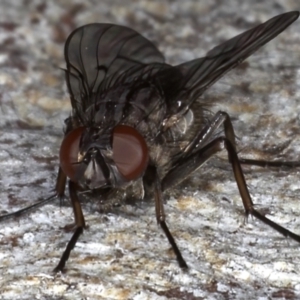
(125, 255)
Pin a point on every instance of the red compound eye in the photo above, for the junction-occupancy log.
(130, 152)
(68, 154)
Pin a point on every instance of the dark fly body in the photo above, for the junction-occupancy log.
(138, 126)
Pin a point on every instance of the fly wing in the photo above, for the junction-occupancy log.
(201, 73)
(95, 52)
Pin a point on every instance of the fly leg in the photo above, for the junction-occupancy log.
(59, 193)
(61, 176)
(266, 163)
(79, 226)
(186, 165)
(160, 217)
(219, 119)
(60, 184)
(222, 118)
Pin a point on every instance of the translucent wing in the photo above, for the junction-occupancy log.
(95, 52)
(199, 74)
(99, 56)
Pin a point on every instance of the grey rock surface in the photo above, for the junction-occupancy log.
(125, 255)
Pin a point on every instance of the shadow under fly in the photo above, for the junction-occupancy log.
(138, 126)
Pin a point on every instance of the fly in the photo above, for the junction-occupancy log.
(138, 127)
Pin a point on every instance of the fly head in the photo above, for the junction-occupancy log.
(96, 158)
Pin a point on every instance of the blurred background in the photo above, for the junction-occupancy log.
(124, 255)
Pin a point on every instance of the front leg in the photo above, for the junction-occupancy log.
(160, 217)
(79, 226)
(60, 185)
